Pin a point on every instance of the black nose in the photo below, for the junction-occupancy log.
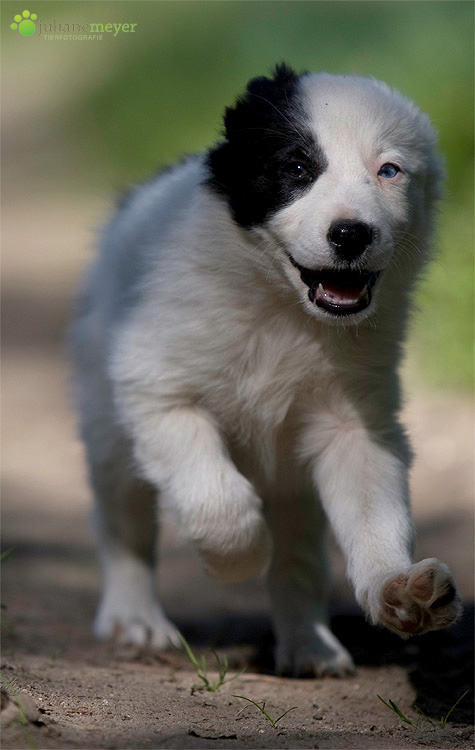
(349, 238)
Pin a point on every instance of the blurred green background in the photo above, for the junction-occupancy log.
(82, 119)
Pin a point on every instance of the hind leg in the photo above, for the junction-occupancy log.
(126, 525)
(298, 583)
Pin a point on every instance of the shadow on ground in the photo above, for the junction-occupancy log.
(440, 665)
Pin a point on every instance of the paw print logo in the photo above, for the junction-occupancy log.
(24, 23)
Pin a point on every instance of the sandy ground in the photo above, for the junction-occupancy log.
(60, 689)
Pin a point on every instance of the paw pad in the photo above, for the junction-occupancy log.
(420, 599)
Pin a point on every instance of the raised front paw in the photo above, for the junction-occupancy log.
(239, 562)
(419, 599)
(316, 654)
(229, 531)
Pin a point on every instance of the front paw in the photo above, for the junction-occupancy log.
(314, 654)
(128, 622)
(242, 558)
(419, 599)
(230, 532)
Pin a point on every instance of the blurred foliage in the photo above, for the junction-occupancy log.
(165, 88)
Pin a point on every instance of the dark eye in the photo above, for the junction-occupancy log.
(299, 172)
(389, 171)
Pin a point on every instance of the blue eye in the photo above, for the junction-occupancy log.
(389, 171)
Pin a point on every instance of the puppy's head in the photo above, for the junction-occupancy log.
(340, 173)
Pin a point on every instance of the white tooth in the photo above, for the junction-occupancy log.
(364, 293)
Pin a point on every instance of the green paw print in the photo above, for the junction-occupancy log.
(24, 23)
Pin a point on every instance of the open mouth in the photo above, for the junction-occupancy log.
(338, 292)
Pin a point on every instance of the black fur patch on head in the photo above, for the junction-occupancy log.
(270, 155)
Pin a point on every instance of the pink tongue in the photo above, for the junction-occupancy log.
(340, 294)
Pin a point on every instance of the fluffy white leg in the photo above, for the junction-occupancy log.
(127, 530)
(364, 490)
(298, 583)
(181, 452)
(129, 611)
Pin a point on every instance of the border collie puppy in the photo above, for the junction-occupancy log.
(236, 358)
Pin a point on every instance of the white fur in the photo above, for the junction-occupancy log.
(206, 375)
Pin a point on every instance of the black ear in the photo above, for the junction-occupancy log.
(264, 99)
(264, 132)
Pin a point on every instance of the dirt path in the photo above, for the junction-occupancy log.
(75, 693)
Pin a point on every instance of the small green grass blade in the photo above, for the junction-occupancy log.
(207, 683)
(294, 708)
(424, 716)
(188, 651)
(395, 708)
(235, 676)
(201, 667)
(260, 708)
(445, 718)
